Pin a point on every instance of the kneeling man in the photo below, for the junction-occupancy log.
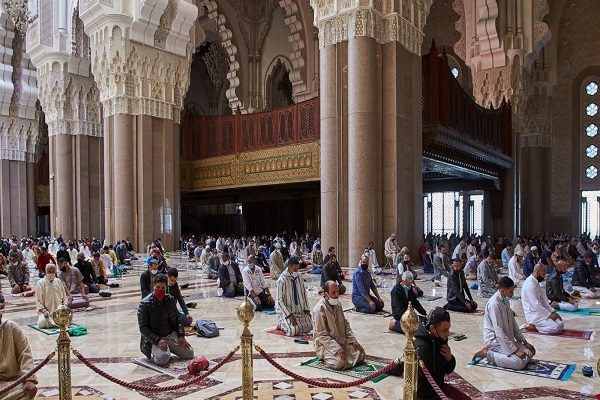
(539, 314)
(335, 343)
(505, 345)
(161, 326)
(291, 304)
(458, 291)
(49, 295)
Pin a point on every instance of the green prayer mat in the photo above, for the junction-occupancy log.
(53, 331)
(382, 313)
(361, 370)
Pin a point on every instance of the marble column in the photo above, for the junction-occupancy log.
(533, 189)
(31, 214)
(364, 147)
(330, 154)
(109, 216)
(61, 150)
(16, 217)
(123, 176)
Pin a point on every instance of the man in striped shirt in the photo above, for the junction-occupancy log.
(291, 304)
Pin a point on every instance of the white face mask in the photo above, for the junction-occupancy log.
(294, 274)
(226, 262)
(154, 271)
(334, 302)
(51, 276)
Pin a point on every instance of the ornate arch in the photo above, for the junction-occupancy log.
(275, 73)
(294, 20)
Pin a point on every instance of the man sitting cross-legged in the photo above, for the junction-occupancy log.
(539, 314)
(161, 326)
(18, 273)
(555, 291)
(403, 293)
(335, 343)
(73, 280)
(49, 295)
(505, 345)
(362, 285)
(230, 277)
(291, 304)
(458, 290)
(256, 286)
(487, 277)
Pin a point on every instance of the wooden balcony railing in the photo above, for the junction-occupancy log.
(446, 103)
(207, 136)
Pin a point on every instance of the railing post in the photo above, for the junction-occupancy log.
(245, 315)
(410, 324)
(63, 317)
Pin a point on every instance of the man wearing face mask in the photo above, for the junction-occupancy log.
(432, 343)
(555, 291)
(161, 326)
(505, 345)
(276, 262)
(291, 304)
(334, 342)
(16, 361)
(487, 277)
(18, 274)
(403, 293)
(147, 278)
(539, 314)
(73, 280)
(458, 291)
(230, 278)
(173, 290)
(362, 285)
(256, 286)
(49, 295)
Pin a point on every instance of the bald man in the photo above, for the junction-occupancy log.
(539, 314)
(558, 296)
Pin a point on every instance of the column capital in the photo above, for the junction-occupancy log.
(385, 21)
(18, 137)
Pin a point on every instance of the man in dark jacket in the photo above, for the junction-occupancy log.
(90, 279)
(332, 272)
(147, 278)
(64, 253)
(212, 269)
(582, 280)
(428, 261)
(160, 326)
(402, 293)
(555, 291)
(458, 290)
(173, 290)
(230, 278)
(432, 341)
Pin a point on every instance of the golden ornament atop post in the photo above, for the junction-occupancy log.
(410, 324)
(63, 317)
(245, 314)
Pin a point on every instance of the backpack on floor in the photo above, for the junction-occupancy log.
(206, 328)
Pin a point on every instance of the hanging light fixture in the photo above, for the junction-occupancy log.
(19, 14)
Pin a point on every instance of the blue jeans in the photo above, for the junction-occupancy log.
(362, 305)
(184, 320)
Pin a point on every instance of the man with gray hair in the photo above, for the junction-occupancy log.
(335, 344)
(403, 293)
(49, 295)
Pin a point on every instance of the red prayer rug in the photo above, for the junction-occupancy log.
(279, 332)
(568, 333)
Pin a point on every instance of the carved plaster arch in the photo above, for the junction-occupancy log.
(541, 30)
(227, 41)
(268, 78)
(294, 20)
(490, 47)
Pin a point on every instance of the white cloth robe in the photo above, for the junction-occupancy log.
(515, 272)
(286, 304)
(49, 296)
(15, 359)
(537, 309)
(275, 264)
(331, 333)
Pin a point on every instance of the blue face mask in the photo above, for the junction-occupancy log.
(506, 299)
(407, 288)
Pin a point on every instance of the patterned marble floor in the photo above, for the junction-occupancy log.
(112, 344)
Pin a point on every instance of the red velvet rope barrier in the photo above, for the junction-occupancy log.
(432, 382)
(328, 385)
(27, 375)
(142, 388)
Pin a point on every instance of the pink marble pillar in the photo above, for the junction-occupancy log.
(364, 147)
(109, 217)
(62, 182)
(123, 176)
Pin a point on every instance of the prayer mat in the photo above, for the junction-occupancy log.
(382, 313)
(582, 311)
(431, 298)
(176, 367)
(268, 311)
(84, 309)
(568, 333)
(189, 331)
(361, 370)
(279, 332)
(49, 331)
(232, 298)
(476, 312)
(539, 368)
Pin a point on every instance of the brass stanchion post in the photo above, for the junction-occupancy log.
(410, 324)
(63, 317)
(246, 314)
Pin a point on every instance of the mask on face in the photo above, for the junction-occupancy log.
(407, 288)
(51, 276)
(294, 274)
(539, 278)
(159, 294)
(63, 269)
(505, 299)
(333, 302)
(226, 262)
(438, 339)
(154, 271)
(364, 266)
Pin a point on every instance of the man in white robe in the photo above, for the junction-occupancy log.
(515, 272)
(49, 294)
(335, 343)
(539, 314)
(505, 345)
(291, 304)
(15, 361)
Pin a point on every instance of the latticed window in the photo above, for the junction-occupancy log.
(443, 213)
